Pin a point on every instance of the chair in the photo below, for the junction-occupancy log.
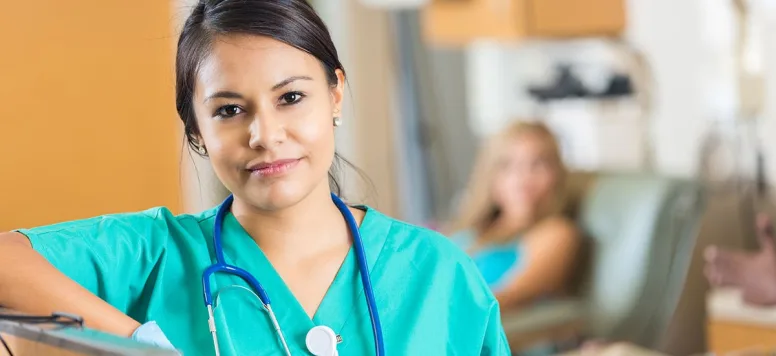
(641, 232)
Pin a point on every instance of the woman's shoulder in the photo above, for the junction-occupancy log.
(431, 252)
(406, 236)
(554, 228)
(115, 223)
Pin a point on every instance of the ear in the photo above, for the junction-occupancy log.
(198, 139)
(199, 144)
(338, 93)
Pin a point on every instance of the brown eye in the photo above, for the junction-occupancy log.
(291, 98)
(228, 111)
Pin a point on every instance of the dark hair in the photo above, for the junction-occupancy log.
(293, 22)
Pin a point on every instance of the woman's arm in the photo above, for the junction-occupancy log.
(550, 251)
(29, 283)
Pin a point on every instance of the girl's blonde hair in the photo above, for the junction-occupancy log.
(477, 209)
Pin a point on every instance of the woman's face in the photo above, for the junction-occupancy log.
(265, 113)
(526, 175)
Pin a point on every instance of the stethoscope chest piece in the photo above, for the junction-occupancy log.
(321, 341)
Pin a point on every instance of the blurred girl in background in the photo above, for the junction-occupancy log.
(512, 218)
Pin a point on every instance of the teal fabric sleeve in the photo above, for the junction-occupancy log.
(495, 342)
(113, 256)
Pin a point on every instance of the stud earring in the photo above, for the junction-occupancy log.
(201, 150)
(337, 121)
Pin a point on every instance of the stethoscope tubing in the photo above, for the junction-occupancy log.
(221, 266)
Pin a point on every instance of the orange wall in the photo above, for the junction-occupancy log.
(87, 112)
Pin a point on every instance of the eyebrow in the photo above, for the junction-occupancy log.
(223, 94)
(290, 80)
(233, 95)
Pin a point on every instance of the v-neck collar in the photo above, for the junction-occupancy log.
(345, 294)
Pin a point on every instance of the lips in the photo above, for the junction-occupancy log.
(274, 168)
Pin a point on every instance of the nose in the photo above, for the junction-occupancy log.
(266, 132)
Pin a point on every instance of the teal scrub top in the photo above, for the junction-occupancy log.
(430, 296)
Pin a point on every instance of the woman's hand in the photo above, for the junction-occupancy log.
(150, 333)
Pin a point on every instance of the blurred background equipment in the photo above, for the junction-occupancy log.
(732, 157)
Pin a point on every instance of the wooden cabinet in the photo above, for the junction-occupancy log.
(457, 22)
(734, 326)
(87, 110)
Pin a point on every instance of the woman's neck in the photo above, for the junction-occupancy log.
(299, 231)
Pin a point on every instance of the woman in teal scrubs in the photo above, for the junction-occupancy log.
(260, 91)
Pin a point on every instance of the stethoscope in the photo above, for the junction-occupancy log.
(320, 340)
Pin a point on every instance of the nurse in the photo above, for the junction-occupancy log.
(260, 91)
